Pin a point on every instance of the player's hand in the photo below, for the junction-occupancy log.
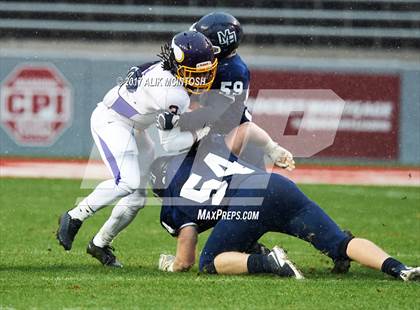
(280, 156)
(167, 120)
(201, 133)
(166, 262)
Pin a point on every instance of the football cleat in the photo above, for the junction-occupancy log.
(104, 255)
(410, 274)
(67, 230)
(282, 266)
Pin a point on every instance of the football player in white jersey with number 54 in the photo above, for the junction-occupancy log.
(118, 124)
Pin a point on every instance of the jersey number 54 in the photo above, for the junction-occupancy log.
(212, 188)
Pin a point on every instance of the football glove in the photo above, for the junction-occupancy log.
(167, 120)
(280, 156)
(201, 133)
(166, 262)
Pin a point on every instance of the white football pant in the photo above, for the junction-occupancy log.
(128, 153)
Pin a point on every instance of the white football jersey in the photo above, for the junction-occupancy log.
(157, 90)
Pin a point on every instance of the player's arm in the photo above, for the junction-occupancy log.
(230, 98)
(185, 252)
(198, 118)
(205, 115)
(215, 106)
(172, 139)
(251, 132)
(176, 141)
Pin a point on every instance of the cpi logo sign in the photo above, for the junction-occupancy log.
(35, 104)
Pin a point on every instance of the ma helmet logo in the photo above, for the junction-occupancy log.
(226, 37)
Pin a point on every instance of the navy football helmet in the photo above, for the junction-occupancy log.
(190, 57)
(223, 30)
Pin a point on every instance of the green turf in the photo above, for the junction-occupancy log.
(36, 273)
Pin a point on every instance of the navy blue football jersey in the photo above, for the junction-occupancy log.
(213, 180)
(233, 78)
(224, 105)
(205, 178)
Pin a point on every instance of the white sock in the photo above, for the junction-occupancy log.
(82, 211)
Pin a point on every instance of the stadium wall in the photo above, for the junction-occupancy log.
(54, 121)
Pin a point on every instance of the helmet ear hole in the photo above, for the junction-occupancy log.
(216, 49)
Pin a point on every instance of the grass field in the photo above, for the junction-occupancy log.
(36, 273)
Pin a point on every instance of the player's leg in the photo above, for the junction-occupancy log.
(370, 255)
(229, 236)
(284, 202)
(231, 263)
(122, 215)
(309, 222)
(313, 225)
(127, 207)
(126, 172)
(118, 150)
(224, 251)
(117, 146)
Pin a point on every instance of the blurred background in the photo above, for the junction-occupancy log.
(58, 59)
